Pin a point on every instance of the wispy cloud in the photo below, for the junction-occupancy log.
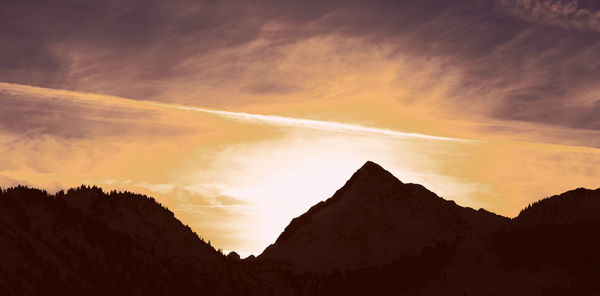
(492, 64)
(563, 13)
(308, 123)
(273, 120)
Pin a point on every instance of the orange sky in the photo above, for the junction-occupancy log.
(238, 178)
(239, 116)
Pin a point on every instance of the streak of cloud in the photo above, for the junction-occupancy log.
(308, 123)
(273, 120)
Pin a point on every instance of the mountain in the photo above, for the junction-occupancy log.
(374, 236)
(558, 236)
(379, 236)
(575, 206)
(88, 242)
(373, 220)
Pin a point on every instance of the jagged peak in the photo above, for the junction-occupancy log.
(371, 171)
(371, 165)
(370, 175)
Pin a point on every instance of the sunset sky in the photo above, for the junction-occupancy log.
(240, 115)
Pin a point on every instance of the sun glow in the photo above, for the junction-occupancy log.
(285, 178)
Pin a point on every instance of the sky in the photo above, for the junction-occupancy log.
(240, 115)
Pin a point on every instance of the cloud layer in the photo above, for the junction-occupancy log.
(527, 60)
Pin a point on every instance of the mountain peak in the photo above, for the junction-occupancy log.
(372, 174)
(371, 165)
(371, 210)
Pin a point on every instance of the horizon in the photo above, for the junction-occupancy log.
(248, 254)
(224, 252)
(240, 116)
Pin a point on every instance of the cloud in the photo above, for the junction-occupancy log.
(310, 123)
(30, 112)
(583, 15)
(6, 182)
(236, 53)
(104, 108)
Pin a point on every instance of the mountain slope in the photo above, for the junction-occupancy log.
(373, 220)
(574, 206)
(558, 234)
(89, 242)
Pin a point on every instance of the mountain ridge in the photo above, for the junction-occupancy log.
(577, 205)
(86, 241)
(375, 235)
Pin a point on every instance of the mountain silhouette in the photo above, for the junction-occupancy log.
(558, 237)
(379, 236)
(575, 206)
(87, 242)
(373, 220)
(375, 236)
